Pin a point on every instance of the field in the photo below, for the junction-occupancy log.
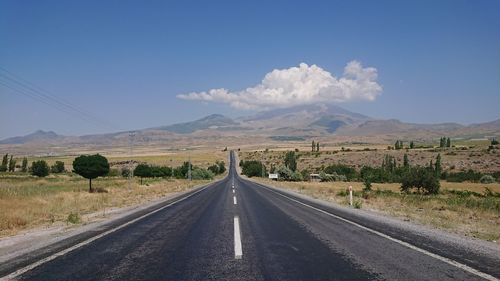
(467, 155)
(471, 209)
(63, 199)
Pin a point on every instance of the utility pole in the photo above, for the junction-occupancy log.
(131, 135)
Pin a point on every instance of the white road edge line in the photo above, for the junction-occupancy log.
(90, 240)
(408, 245)
(234, 200)
(238, 252)
(233, 191)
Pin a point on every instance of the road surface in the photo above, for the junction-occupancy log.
(235, 229)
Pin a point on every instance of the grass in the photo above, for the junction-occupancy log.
(464, 208)
(202, 158)
(27, 202)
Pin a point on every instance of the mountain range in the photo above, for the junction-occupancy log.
(304, 122)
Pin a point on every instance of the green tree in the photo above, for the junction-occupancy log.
(5, 160)
(421, 178)
(91, 167)
(412, 145)
(448, 142)
(12, 164)
(313, 146)
(317, 147)
(494, 141)
(24, 167)
(125, 172)
(437, 166)
(367, 182)
(143, 171)
(253, 168)
(58, 167)
(291, 161)
(201, 174)
(214, 169)
(40, 168)
(406, 162)
(222, 166)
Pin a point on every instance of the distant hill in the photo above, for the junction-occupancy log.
(38, 136)
(295, 123)
(213, 121)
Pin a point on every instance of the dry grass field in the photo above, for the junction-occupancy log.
(469, 215)
(470, 155)
(465, 208)
(27, 201)
(202, 158)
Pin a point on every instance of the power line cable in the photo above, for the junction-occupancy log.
(41, 95)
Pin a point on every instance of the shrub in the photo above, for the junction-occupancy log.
(284, 173)
(368, 184)
(291, 160)
(357, 204)
(253, 168)
(40, 168)
(58, 167)
(125, 172)
(73, 218)
(487, 179)
(341, 169)
(423, 179)
(201, 174)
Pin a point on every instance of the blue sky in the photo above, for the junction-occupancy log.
(126, 61)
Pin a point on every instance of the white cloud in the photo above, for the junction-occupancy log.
(299, 85)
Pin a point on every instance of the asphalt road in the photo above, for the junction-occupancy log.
(282, 238)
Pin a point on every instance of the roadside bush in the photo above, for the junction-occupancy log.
(253, 168)
(423, 179)
(57, 168)
(125, 172)
(201, 174)
(40, 168)
(357, 204)
(332, 177)
(73, 218)
(367, 184)
(487, 179)
(284, 173)
(469, 175)
(340, 169)
(217, 168)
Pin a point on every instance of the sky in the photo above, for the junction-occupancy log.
(123, 65)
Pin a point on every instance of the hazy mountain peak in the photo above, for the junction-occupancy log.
(207, 122)
(38, 135)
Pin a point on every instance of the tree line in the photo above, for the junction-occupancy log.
(38, 168)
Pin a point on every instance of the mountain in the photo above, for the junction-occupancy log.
(295, 123)
(306, 118)
(38, 136)
(214, 121)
